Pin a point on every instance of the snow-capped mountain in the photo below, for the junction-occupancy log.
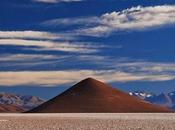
(23, 101)
(142, 95)
(164, 99)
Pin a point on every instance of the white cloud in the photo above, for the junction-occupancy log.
(46, 41)
(135, 18)
(28, 57)
(147, 67)
(56, 1)
(119, 70)
(52, 78)
(51, 45)
(28, 35)
(72, 21)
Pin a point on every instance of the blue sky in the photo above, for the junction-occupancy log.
(48, 45)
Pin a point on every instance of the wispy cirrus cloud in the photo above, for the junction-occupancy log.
(26, 57)
(28, 34)
(48, 51)
(51, 45)
(46, 41)
(149, 67)
(135, 18)
(86, 21)
(53, 78)
(112, 70)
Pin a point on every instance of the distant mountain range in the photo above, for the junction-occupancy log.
(163, 99)
(89, 95)
(18, 103)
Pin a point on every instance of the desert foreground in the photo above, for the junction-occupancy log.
(88, 121)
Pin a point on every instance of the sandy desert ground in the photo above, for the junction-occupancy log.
(87, 121)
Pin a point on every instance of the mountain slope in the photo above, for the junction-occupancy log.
(163, 99)
(23, 102)
(10, 109)
(92, 96)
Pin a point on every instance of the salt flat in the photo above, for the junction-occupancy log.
(87, 121)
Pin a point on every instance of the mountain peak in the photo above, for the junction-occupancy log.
(91, 87)
(90, 81)
(91, 95)
(25, 102)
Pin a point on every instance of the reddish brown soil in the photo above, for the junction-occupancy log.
(10, 109)
(92, 96)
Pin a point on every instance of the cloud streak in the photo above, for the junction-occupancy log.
(28, 35)
(136, 18)
(46, 41)
(54, 78)
(51, 45)
(111, 70)
(27, 57)
(86, 21)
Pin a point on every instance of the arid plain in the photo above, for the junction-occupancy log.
(86, 121)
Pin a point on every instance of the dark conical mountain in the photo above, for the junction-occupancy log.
(92, 96)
